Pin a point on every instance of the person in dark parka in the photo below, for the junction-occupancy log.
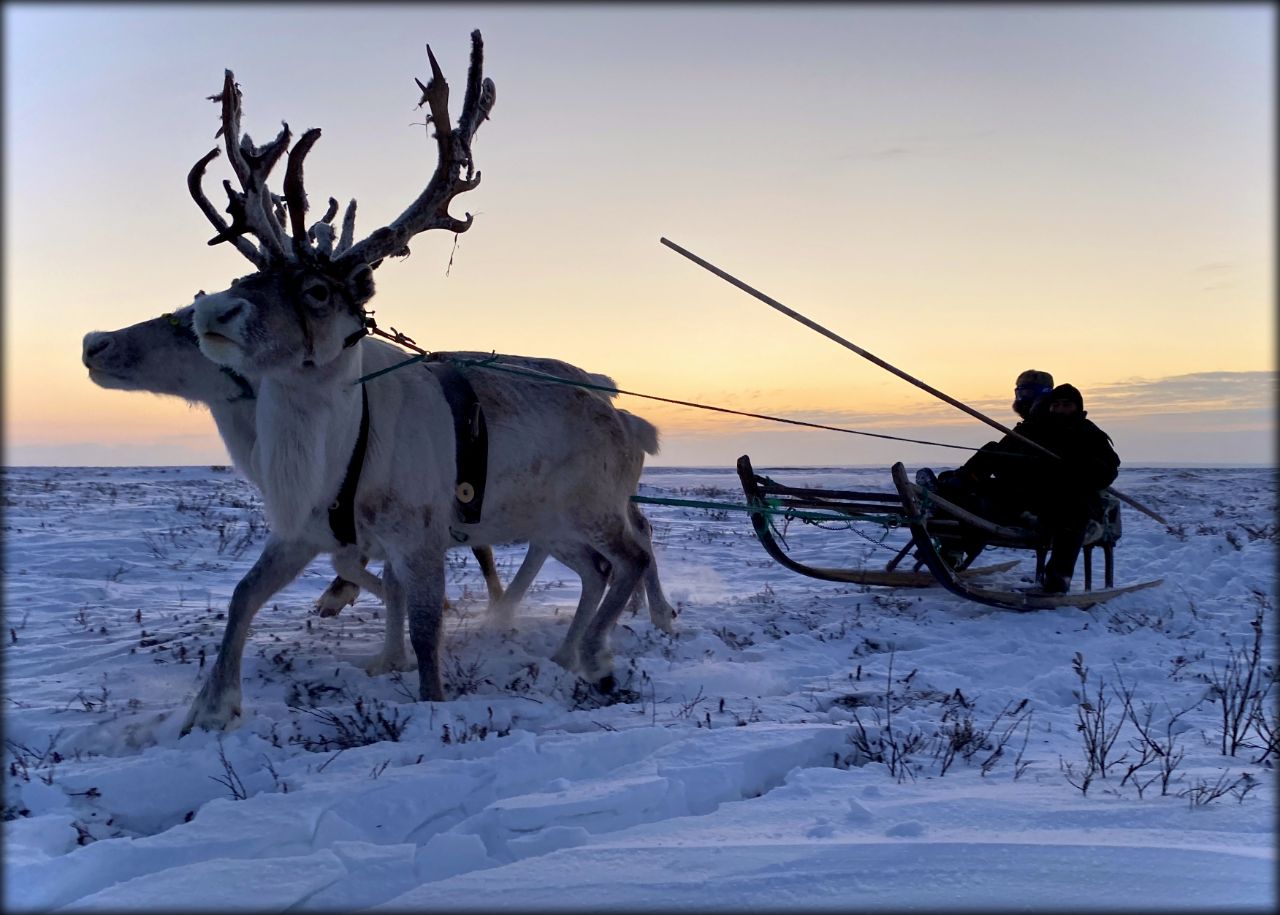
(1062, 494)
(985, 484)
(973, 481)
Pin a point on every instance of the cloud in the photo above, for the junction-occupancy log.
(1198, 391)
(916, 146)
(1206, 417)
(1215, 275)
(1229, 393)
(883, 152)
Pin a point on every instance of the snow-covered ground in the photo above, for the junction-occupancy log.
(796, 745)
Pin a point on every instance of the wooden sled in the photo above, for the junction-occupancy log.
(939, 525)
(768, 497)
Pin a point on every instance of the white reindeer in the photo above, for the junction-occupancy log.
(561, 465)
(162, 356)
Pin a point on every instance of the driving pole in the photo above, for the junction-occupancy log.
(871, 357)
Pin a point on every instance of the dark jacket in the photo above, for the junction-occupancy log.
(1089, 462)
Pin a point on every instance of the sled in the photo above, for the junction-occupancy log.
(940, 526)
(767, 498)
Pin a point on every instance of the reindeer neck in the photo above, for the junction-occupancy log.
(307, 425)
(237, 426)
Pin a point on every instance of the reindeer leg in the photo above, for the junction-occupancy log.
(218, 703)
(592, 569)
(630, 559)
(419, 586)
(484, 556)
(339, 594)
(502, 612)
(393, 656)
(352, 576)
(661, 613)
(350, 563)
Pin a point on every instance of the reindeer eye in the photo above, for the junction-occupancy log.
(317, 292)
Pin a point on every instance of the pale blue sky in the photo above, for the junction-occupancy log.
(966, 191)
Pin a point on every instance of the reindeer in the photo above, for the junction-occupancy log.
(162, 356)
(561, 461)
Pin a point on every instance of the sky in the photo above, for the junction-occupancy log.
(964, 191)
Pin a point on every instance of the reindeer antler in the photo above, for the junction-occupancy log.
(431, 209)
(225, 232)
(256, 211)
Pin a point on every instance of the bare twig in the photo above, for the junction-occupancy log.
(229, 777)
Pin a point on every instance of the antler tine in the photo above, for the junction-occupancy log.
(260, 161)
(225, 232)
(277, 210)
(348, 229)
(331, 212)
(295, 194)
(253, 210)
(321, 233)
(481, 94)
(431, 209)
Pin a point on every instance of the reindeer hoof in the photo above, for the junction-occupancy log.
(664, 619)
(212, 718)
(338, 595)
(606, 684)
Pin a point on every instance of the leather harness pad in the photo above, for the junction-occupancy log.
(342, 513)
(470, 441)
(471, 453)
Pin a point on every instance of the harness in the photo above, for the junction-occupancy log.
(246, 389)
(342, 513)
(470, 444)
(471, 456)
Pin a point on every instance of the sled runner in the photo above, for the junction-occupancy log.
(940, 528)
(766, 498)
(945, 540)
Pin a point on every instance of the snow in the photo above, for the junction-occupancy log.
(735, 771)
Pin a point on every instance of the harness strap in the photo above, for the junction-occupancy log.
(470, 442)
(342, 513)
(246, 389)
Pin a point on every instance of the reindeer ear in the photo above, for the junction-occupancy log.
(360, 284)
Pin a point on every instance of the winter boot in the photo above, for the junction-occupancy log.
(1063, 553)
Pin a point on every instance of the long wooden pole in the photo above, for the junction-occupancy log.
(871, 357)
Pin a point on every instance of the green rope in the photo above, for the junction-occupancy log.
(887, 524)
(392, 368)
(770, 509)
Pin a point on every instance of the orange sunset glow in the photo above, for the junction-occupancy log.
(964, 191)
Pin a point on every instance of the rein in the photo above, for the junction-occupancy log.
(492, 363)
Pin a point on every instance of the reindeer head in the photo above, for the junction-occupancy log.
(305, 304)
(161, 356)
